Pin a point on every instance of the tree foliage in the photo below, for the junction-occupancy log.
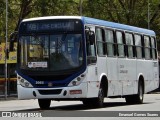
(131, 12)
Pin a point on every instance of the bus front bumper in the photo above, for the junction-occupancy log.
(79, 91)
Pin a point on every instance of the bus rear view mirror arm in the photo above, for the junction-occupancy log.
(90, 36)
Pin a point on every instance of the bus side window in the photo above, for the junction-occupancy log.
(100, 42)
(147, 47)
(109, 39)
(138, 44)
(154, 51)
(91, 50)
(129, 43)
(120, 44)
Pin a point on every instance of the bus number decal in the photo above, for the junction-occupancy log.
(155, 64)
(39, 82)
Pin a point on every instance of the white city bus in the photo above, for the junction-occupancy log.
(86, 59)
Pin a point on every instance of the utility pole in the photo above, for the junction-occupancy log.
(80, 7)
(148, 15)
(6, 47)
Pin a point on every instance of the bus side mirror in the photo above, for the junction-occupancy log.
(13, 38)
(90, 36)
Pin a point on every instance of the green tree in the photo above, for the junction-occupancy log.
(131, 12)
(2, 19)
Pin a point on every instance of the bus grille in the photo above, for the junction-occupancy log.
(54, 85)
(50, 77)
(50, 92)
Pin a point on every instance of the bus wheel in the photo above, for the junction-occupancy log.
(138, 98)
(95, 102)
(140, 95)
(99, 102)
(44, 103)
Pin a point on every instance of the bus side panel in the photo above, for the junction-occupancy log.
(155, 74)
(144, 68)
(101, 66)
(92, 81)
(127, 74)
(114, 85)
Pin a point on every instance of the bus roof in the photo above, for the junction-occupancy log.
(52, 17)
(88, 20)
(94, 21)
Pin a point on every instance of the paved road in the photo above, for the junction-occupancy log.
(151, 103)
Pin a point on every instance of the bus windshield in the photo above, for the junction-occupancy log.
(53, 52)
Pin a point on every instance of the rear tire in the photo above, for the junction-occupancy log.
(44, 103)
(138, 98)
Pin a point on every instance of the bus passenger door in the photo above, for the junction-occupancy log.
(91, 64)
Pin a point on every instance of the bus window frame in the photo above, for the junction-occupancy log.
(114, 43)
(150, 56)
(124, 45)
(142, 47)
(91, 60)
(104, 52)
(153, 48)
(133, 45)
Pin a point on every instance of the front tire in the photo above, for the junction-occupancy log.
(44, 103)
(99, 102)
(96, 102)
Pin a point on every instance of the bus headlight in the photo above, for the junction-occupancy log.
(25, 83)
(77, 81)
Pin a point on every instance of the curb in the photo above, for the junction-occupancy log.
(8, 98)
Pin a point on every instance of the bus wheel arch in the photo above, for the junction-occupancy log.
(141, 90)
(137, 98)
(141, 81)
(104, 83)
(102, 93)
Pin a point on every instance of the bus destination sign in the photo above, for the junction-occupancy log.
(50, 26)
(69, 26)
